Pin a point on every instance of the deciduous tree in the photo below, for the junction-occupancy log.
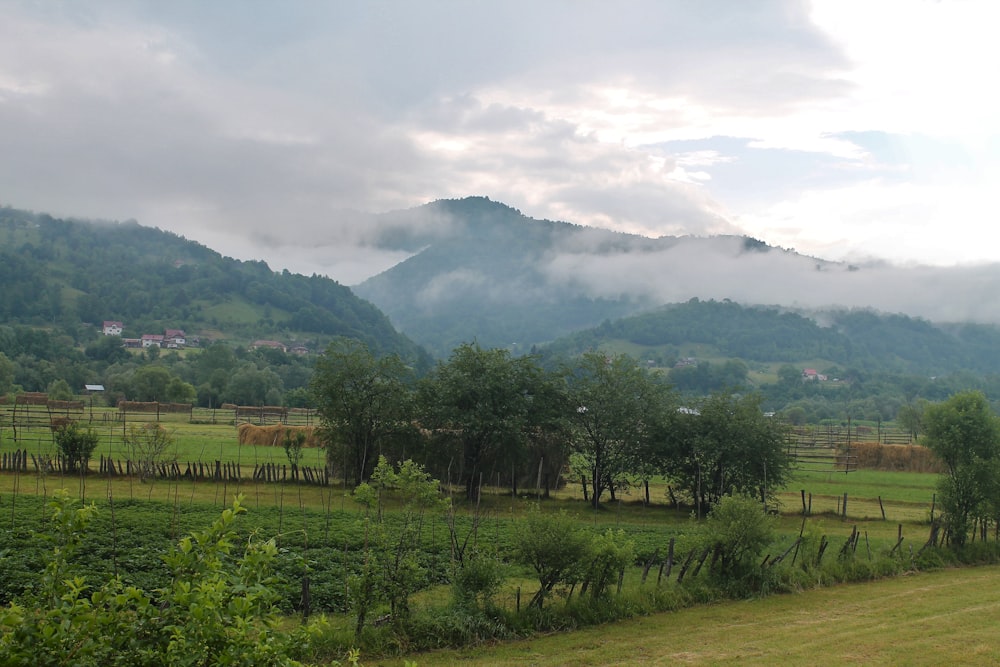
(965, 434)
(362, 402)
(617, 409)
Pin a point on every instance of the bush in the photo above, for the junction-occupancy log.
(76, 445)
(555, 547)
(217, 609)
(739, 531)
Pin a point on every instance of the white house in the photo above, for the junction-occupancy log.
(175, 337)
(112, 328)
(152, 340)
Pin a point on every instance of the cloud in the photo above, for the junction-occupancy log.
(724, 268)
(256, 127)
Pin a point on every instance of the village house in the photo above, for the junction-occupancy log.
(152, 340)
(112, 328)
(174, 337)
(273, 344)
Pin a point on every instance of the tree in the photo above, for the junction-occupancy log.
(483, 397)
(179, 391)
(76, 445)
(149, 383)
(392, 570)
(250, 385)
(362, 402)
(965, 434)
(911, 417)
(59, 390)
(6, 374)
(617, 410)
(726, 445)
(148, 447)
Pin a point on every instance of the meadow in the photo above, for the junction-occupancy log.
(321, 527)
(930, 618)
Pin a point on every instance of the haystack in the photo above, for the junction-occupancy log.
(274, 435)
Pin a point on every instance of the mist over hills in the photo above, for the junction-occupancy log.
(480, 270)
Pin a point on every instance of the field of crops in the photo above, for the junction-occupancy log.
(321, 525)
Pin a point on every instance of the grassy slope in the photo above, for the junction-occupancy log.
(934, 618)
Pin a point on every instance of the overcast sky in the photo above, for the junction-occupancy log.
(845, 130)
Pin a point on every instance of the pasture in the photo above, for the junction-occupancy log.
(931, 618)
(321, 524)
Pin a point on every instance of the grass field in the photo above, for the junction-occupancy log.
(935, 618)
(931, 618)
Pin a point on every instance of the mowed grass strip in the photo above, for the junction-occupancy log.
(935, 618)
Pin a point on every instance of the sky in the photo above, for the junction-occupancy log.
(847, 130)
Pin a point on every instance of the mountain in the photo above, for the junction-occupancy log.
(483, 271)
(845, 338)
(480, 270)
(58, 273)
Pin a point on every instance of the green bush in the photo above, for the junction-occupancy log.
(76, 445)
(555, 547)
(217, 609)
(739, 530)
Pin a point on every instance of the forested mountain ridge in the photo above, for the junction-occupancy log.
(486, 272)
(70, 274)
(847, 338)
(480, 270)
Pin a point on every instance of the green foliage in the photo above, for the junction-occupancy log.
(726, 445)
(739, 530)
(491, 403)
(218, 608)
(362, 402)
(617, 411)
(555, 547)
(292, 444)
(610, 553)
(476, 579)
(76, 444)
(965, 434)
(59, 390)
(392, 568)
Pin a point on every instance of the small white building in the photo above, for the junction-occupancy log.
(175, 337)
(112, 328)
(152, 340)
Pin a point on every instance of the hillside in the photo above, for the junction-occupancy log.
(480, 270)
(483, 271)
(846, 338)
(61, 273)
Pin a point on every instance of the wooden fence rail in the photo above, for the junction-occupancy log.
(20, 460)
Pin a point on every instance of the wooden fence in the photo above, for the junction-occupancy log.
(22, 461)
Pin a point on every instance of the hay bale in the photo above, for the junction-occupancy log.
(148, 407)
(274, 435)
(32, 398)
(906, 458)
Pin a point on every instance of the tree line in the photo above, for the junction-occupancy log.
(487, 417)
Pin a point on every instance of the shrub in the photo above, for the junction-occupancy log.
(217, 609)
(76, 445)
(555, 547)
(739, 531)
(148, 446)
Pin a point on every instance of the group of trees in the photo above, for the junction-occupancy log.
(60, 273)
(486, 416)
(37, 360)
(965, 434)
